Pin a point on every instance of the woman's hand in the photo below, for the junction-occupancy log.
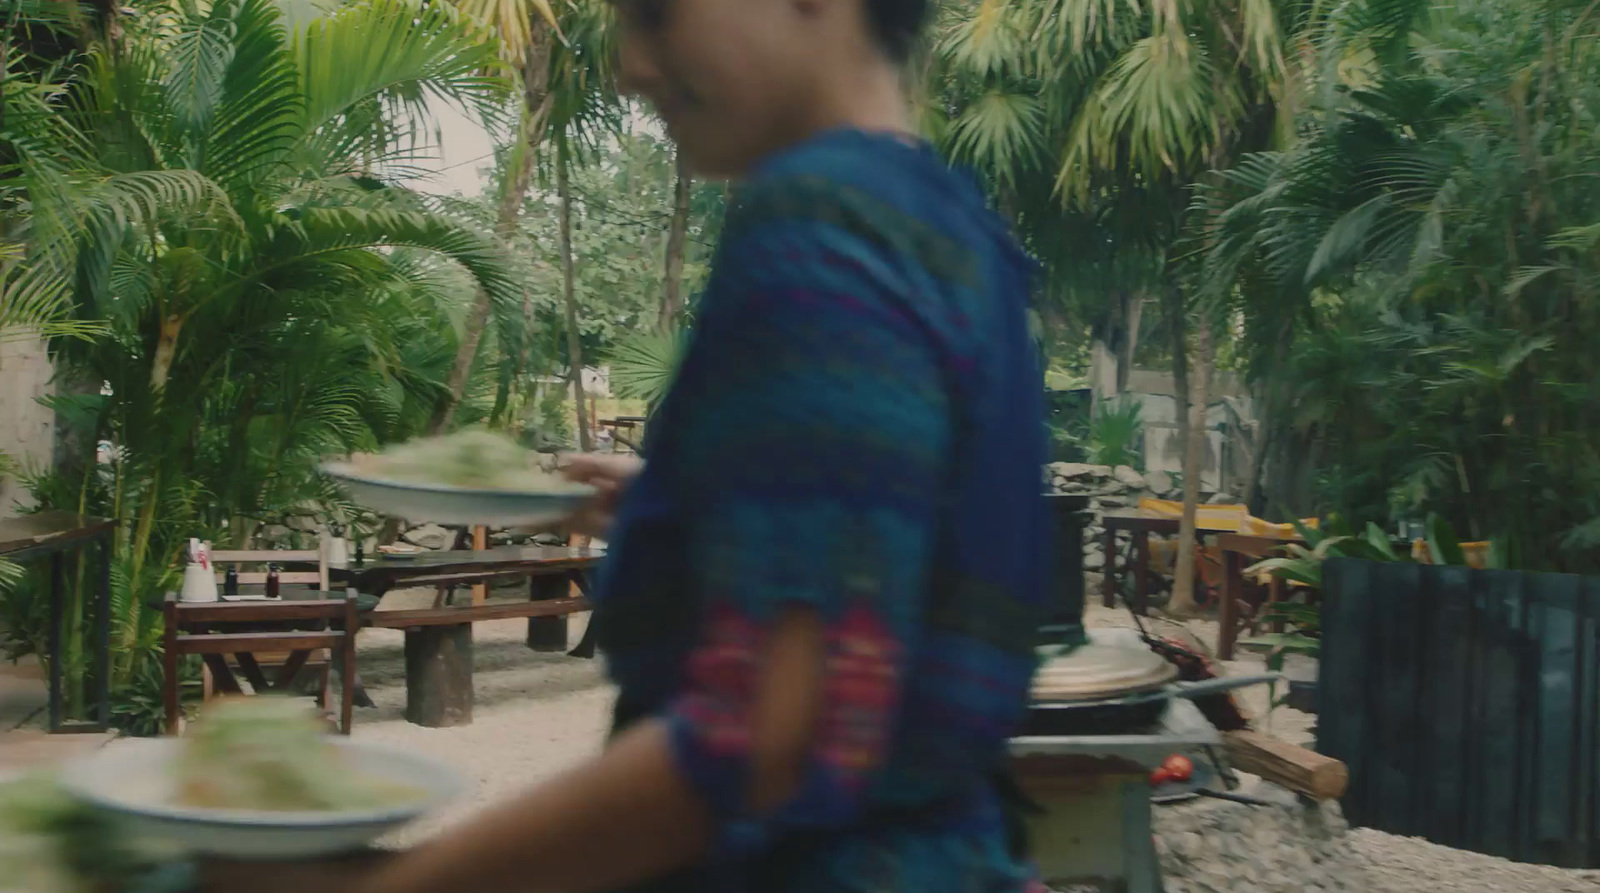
(610, 476)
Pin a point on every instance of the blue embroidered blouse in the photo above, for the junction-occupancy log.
(857, 426)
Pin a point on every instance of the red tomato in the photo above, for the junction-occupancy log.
(1179, 767)
(1160, 777)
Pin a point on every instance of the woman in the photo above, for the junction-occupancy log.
(821, 592)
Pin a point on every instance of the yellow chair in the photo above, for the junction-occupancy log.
(1476, 554)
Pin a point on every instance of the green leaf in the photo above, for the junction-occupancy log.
(644, 365)
(1443, 546)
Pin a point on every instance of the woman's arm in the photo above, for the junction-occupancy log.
(628, 814)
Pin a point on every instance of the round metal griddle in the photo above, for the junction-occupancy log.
(1098, 672)
(1108, 690)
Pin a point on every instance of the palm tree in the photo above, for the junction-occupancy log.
(1112, 107)
(1439, 217)
(527, 32)
(583, 108)
(218, 209)
(564, 55)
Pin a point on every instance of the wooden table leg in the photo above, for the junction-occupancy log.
(439, 676)
(1141, 571)
(1108, 588)
(1232, 591)
(480, 541)
(548, 633)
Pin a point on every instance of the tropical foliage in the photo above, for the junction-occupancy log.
(1423, 269)
(214, 206)
(1382, 212)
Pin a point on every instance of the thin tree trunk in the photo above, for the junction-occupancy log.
(1183, 601)
(677, 236)
(536, 113)
(1176, 310)
(569, 295)
(166, 351)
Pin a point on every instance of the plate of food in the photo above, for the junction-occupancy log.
(259, 778)
(471, 477)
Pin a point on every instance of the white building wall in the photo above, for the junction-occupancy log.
(27, 428)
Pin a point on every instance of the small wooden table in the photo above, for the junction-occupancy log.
(628, 423)
(1236, 548)
(52, 535)
(439, 639)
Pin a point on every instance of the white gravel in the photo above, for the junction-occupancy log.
(537, 714)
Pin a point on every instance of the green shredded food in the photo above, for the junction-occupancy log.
(271, 754)
(472, 459)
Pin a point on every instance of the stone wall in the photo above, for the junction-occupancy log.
(1112, 489)
(27, 429)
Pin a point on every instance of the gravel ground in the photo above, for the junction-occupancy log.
(537, 714)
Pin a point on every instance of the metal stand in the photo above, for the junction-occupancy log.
(1093, 830)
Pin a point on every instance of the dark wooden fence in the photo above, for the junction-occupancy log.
(1467, 706)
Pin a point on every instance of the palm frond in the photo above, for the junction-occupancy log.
(398, 52)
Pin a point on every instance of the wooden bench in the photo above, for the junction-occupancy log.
(439, 652)
(439, 639)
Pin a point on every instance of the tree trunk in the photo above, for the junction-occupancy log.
(1176, 310)
(536, 113)
(569, 295)
(166, 351)
(677, 236)
(1194, 446)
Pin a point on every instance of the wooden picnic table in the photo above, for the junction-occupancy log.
(52, 535)
(439, 639)
(1141, 523)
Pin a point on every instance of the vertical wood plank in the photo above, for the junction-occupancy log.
(1341, 681)
(1449, 695)
(1500, 770)
(1394, 694)
(1586, 764)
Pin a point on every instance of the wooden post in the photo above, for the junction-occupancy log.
(1141, 571)
(1232, 591)
(1297, 768)
(480, 541)
(548, 633)
(170, 693)
(439, 676)
(1108, 580)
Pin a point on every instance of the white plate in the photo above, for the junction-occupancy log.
(442, 504)
(134, 781)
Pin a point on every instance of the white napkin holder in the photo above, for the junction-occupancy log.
(199, 579)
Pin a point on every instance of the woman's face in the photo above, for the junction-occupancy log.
(732, 79)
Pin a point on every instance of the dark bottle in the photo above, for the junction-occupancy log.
(230, 581)
(361, 551)
(272, 581)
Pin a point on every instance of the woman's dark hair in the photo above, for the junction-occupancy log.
(896, 24)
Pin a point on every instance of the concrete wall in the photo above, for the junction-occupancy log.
(1230, 424)
(27, 429)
